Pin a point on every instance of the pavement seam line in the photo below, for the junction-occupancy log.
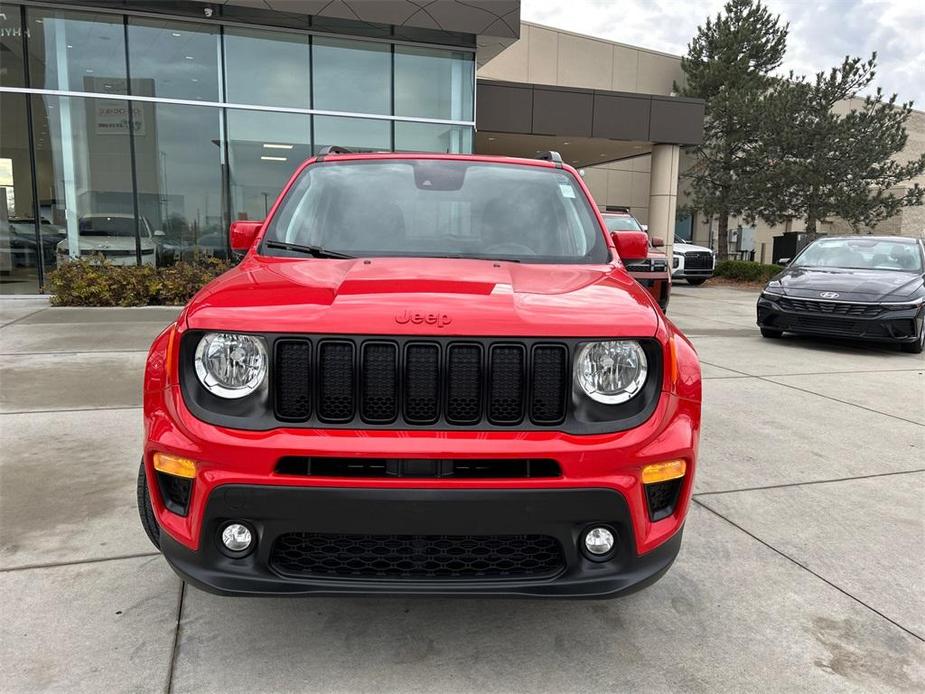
(28, 315)
(768, 379)
(85, 351)
(174, 652)
(810, 571)
(803, 484)
(76, 409)
(77, 562)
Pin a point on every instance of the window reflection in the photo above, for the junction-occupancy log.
(263, 149)
(174, 59)
(352, 76)
(84, 180)
(19, 251)
(267, 68)
(179, 173)
(11, 66)
(433, 83)
(76, 51)
(359, 134)
(432, 137)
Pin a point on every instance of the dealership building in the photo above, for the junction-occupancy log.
(162, 122)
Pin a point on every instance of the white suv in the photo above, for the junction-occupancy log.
(692, 263)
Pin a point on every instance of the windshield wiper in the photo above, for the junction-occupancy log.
(462, 256)
(316, 251)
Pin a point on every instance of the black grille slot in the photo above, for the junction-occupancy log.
(422, 383)
(429, 557)
(175, 492)
(550, 382)
(476, 468)
(464, 384)
(506, 384)
(662, 497)
(336, 399)
(379, 402)
(293, 379)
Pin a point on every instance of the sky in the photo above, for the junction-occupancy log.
(822, 32)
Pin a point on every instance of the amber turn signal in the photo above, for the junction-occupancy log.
(175, 465)
(662, 472)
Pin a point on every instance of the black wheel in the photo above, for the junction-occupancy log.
(772, 334)
(696, 281)
(917, 346)
(146, 511)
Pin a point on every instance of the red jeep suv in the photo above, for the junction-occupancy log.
(430, 374)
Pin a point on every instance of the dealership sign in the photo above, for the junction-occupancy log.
(112, 118)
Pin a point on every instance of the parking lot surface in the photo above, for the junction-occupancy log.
(802, 567)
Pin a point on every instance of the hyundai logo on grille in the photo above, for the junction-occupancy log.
(829, 295)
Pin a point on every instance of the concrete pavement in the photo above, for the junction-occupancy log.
(801, 570)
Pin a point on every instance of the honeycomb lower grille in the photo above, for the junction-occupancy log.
(421, 557)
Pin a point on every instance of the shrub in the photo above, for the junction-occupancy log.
(97, 282)
(745, 271)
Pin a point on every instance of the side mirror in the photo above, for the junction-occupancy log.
(657, 242)
(160, 232)
(243, 234)
(784, 261)
(631, 245)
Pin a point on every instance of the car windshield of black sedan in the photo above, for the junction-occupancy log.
(863, 253)
(439, 208)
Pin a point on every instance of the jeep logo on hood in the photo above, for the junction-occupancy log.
(438, 319)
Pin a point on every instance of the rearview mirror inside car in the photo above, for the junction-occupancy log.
(242, 234)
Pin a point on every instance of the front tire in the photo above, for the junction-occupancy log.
(146, 510)
(771, 334)
(917, 346)
(696, 281)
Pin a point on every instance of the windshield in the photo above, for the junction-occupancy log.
(107, 226)
(620, 222)
(438, 208)
(863, 254)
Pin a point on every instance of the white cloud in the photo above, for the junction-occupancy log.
(822, 32)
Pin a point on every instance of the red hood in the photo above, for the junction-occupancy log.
(383, 296)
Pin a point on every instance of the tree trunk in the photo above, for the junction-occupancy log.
(722, 237)
(811, 225)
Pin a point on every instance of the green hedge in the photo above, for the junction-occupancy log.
(745, 271)
(97, 282)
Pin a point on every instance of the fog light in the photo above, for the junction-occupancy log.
(237, 538)
(599, 541)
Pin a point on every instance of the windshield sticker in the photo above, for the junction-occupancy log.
(567, 190)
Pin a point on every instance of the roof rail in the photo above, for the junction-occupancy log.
(552, 156)
(332, 149)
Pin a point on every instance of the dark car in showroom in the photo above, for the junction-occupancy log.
(859, 287)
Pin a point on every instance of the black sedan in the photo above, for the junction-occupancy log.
(859, 287)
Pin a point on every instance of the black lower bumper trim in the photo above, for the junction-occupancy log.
(891, 326)
(562, 514)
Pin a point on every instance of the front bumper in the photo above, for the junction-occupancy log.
(273, 511)
(889, 326)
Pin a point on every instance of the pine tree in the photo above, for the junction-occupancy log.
(728, 64)
(820, 156)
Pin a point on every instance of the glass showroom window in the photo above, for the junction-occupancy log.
(84, 180)
(76, 51)
(360, 134)
(11, 67)
(178, 154)
(352, 76)
(267, 68)
(19, 250)
(433, 83)
(177, 60)
(263, 151)
(432, 137)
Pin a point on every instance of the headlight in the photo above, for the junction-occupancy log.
(230, 365)
(611, 372)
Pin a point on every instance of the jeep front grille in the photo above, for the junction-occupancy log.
(419, 382)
